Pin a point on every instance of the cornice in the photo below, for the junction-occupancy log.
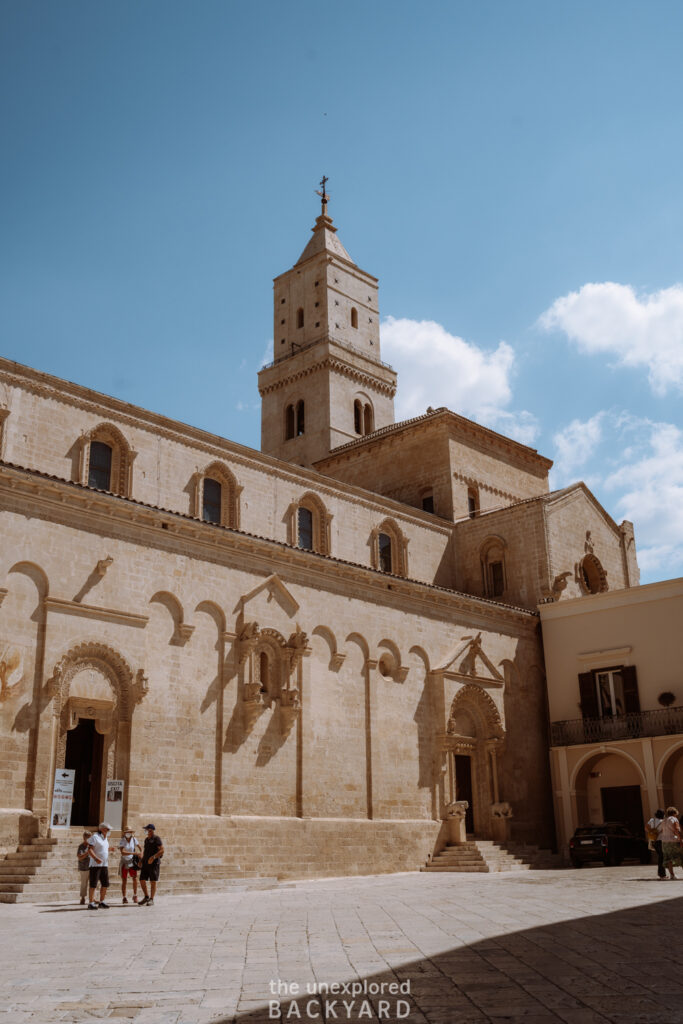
(335, 364)
(90, 611)
(162, 528)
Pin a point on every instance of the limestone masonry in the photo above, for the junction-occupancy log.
(320, 658)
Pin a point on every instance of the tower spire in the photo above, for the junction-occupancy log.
(324, 196)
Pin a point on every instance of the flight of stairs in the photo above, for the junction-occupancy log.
(485, 855)
(44, 870)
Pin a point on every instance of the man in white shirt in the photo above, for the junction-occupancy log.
(98, 848)
(655, 825)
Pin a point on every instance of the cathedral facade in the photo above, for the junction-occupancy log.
(317, 657)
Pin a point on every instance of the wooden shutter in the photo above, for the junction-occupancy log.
(631, 698)
(589, 697)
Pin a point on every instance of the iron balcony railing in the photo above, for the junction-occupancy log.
(662, 722)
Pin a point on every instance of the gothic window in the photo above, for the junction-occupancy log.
(106, 460)
(472, 502)
(389, 549)
(310, 524)
(363, 417)
(216, 496)
(354, 317)
(299, 317)
(299, 418)
(358, 416)
(289, 422)
(384, 552)
(99, 466)
(494, 573)
(212, 500)
(305, 528)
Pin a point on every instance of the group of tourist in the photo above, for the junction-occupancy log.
(93, 865)
(665, 834)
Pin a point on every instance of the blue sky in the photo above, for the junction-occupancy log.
(511, 171)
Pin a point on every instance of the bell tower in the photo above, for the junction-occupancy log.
(327, 384)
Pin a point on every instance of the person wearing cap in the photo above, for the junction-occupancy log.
(128, 847)
(82, 859)
(98, 849)
(151, 855)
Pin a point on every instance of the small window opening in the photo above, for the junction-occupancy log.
(299, 317)
(368, 419)
(497, 579)
(300, 418)
(99, 468)
(428, 502)
(211, 501)
(472, 502)
(354, 317)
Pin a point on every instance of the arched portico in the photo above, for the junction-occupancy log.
(474, 741)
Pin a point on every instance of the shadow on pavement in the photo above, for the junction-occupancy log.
(624, 967)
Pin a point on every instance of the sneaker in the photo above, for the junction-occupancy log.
(145, 899)
(150, 903)
(124, 900)
(92, 906)
(104, 906)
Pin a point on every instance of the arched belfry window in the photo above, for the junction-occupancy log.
(289, 422)
(358, 416)
(106, 460)
(492, 556)
(300, 423)
(368, 419)
(216, 496)
(299, 317)
(309, 524)
(389, 549)
(354, 317)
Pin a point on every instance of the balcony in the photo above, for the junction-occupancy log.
(662, 722)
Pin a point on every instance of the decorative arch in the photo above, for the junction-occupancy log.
(596, 755)
(108, 695)
(222, 506)
(336, 658)
(664, 774)
(121, 462)
(493, 559)
(36, 574)
(389, 661)
(181, 630)
(360, 641)
(473, 698)
(389, 548)
(318, 522)
(215, 612)
(422, 654)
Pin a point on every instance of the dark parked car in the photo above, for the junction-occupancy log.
(610, 843)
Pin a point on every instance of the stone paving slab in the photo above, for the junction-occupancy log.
(571, 947)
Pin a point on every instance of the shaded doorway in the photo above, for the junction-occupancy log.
(624, 804)
(84, 748)
(463, 787)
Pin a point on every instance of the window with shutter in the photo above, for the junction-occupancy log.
(630, 683)
(589, 697)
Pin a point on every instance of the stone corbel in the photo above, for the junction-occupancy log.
(289, 709)
(103, 565)
(336, 661)
(140, 687)
(3, 594)
(183, 633)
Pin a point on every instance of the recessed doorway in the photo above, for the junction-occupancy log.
(623, 803)
(463, 787)
(84, 748)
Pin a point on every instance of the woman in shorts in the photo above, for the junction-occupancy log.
(670, 834)
(128, 846)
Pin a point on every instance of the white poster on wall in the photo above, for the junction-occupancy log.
(113, 803)
(62, 798)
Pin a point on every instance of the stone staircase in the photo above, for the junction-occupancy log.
(485, 855)
(44, 870)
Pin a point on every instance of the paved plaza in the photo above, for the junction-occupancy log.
(575, 946)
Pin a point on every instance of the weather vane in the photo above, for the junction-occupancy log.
(324, 196)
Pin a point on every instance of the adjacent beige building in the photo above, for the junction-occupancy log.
(615, 694)
(308, 657)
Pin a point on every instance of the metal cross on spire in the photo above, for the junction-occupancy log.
(324, 196)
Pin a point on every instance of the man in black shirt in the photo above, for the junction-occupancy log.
(151, 855)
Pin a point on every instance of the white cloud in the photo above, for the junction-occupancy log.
(575, 446)
(639, 331)
(438, 368)
(635, 467)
